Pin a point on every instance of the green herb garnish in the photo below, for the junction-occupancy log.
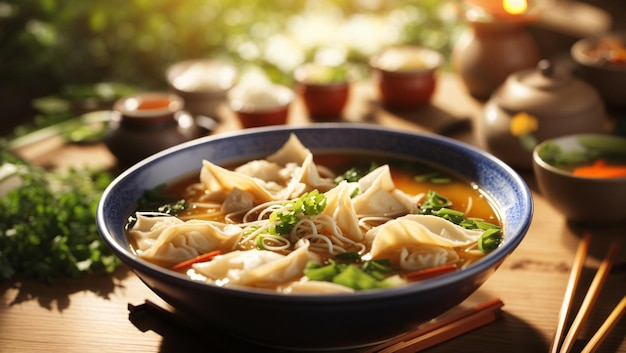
(355, 174)
(439, 205)
(47, 226)
(285, 219)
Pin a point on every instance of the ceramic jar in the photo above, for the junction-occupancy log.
(489, 51)
(147, 123)
(534, 105)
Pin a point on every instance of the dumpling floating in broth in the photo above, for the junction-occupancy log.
(168, 240)
(415, 242)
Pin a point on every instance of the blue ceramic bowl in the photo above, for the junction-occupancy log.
(316, 322)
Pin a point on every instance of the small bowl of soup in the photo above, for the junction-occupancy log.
(584, 176)
(316, 237)
(406, 76)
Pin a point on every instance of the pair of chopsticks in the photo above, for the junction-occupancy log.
(442, 330)
(562, 342)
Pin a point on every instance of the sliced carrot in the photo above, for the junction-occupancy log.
(204, 257)
(600, 169)
(430, 272)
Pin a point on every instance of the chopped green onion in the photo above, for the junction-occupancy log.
(433, 177)
(490, 240)
(259, 242)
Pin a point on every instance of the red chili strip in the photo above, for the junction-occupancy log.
(204, 257)
(430, 272)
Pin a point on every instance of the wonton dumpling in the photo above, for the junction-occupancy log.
(416, 258)
(257, 268)
(284, 175)
(237, 201)
(169, 240)
(419, 241)
(339, 206)
(379, 195)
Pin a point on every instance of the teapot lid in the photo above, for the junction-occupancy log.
(546, 90)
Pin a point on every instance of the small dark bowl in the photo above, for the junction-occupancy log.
(581, 199)
(405, 85)
(316, 322)
(609, 78)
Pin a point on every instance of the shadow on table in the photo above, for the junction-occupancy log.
(56, 295)
(509, 334)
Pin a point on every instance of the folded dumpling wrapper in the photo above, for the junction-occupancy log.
(419, 241)
(256, 268)
(169, 240)
(286, 174)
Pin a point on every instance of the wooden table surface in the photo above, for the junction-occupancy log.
(91, 314)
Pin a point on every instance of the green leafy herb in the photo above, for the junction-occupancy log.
(433, 203)
(354, 174)
(285, 219)
(47, 226)
(157, 199)
(439, 205)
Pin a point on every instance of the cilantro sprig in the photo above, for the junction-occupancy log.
(285, 219)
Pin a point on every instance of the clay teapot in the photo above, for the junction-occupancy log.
(533, 105)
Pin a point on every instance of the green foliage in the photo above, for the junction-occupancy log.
(47, 226)
(133, 41)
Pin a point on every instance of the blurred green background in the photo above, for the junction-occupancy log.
(66, 47)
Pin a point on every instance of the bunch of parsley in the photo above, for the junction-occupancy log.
(47, 223)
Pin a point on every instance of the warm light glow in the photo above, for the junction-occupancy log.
(515, 7)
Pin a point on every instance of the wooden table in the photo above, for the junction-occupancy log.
(91, 315)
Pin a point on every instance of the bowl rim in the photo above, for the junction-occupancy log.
(542, 164)
(433, 62)
(492, 261)
(577, 51)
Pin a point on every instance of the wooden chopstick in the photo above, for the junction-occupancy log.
(570, 290)
(588, 301)
(443, 330)
(608, 324)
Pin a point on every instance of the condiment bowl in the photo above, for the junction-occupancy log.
(261, 104)
(601, 61)
(324, 90)
(202, 83)
(406, 76)
(586, 199)
(319, 322)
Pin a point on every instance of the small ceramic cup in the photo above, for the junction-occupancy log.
(146, 123)
(261, 104)
(203, 84)
(324, 90)
(406, 76)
